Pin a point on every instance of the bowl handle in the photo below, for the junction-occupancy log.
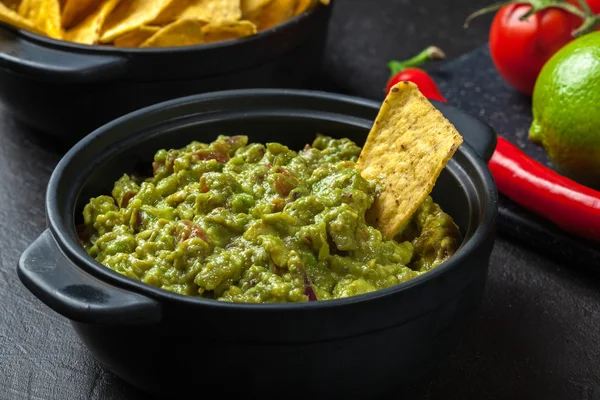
(68, 290)
(476, 133)
(48, 62)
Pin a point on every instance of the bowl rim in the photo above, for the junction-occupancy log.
(76, 254)
(105, 49)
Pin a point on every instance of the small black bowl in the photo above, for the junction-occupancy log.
(67, 90)
(163, 342)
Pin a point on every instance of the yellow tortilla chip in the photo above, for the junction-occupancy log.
(170, 13)
(227, 31)
(252, 6)
(136, 37)
(45, 16)
(131, 14)
(213, 10)
(12, 4)
(274, 13)
(88, 31)
(408, 147)
(184, 32)
(75, 11)
(304, 5)
(10, 17)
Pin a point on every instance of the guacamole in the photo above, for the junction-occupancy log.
(246, 222)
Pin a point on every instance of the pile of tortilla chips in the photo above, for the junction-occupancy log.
(149, 23)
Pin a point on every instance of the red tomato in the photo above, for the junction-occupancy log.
(521, 48)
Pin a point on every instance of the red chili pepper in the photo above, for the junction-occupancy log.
(573, 207)
(406, 71)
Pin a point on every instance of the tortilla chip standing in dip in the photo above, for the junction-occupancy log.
(408, 147)
(149, 23)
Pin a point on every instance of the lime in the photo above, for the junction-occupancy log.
(566, 110)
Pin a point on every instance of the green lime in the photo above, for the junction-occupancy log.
(566, 110)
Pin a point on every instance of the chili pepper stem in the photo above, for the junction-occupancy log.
(590, 21)
(429, 54)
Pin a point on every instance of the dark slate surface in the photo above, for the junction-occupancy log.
(472, 84)
(536, 336)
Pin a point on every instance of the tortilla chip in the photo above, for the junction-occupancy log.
(184, 32)
(131, 14)
(274, 13)
(408, 147)
(45, 16)
(136, 37)
(88, 31)
(10, 17)
(252, 6)
(170, 13)
(213, 10)
(304, 5)
(12, 4)
(227, 31)
(75, 11)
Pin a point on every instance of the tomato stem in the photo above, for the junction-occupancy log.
(589, 24)
(486, 10)
(590, 21)
(586, 8)
(431, 53)
(564, 6)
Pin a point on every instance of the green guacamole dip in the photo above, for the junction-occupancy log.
(258, 223)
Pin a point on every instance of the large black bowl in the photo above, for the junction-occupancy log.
(164, 342)
(67, 90)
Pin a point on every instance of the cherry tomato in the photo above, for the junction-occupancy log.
(520, 48)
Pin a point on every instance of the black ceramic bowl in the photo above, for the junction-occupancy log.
(160, 341)
(67, 90)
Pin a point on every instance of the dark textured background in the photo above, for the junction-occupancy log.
(537, 333)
